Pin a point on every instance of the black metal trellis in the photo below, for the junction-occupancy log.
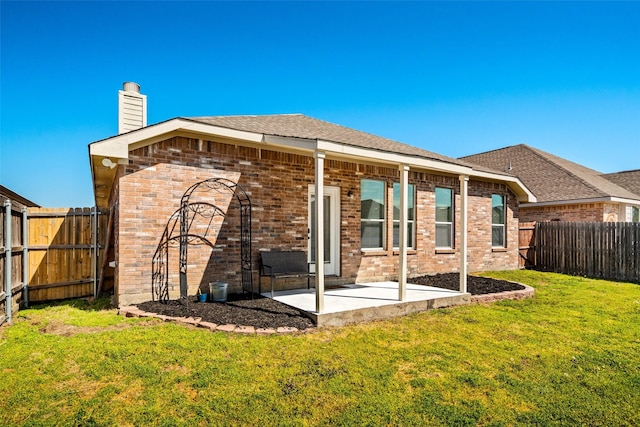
(179, 232)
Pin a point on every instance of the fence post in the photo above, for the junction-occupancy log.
(25, 257)
(94, 245)
(8, 305)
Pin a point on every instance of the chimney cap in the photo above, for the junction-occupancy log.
(131, 87)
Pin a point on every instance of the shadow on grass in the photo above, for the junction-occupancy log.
(86, 304)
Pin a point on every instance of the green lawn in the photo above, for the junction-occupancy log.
(569, 356)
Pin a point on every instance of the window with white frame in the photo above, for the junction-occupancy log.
(410, 215)
(498, 220)
(444, 217)
(635, 214)
(372, 214)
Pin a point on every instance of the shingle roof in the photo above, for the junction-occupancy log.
(301, 126)
(15, 197)
(549, 177)
(629, 180)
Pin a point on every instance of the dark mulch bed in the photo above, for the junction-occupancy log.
(475, 285)
(241, 309)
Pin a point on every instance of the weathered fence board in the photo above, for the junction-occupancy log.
(11, 258)
(592, 249)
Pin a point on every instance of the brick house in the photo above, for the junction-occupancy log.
(629, 180)
(282, 162)
(565, 191)
(16, 199)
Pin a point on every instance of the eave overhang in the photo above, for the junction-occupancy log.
(116, 149)
(582, 201)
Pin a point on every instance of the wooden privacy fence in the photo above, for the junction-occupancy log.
(527, 244)
(593, 249)
(54, 253)
(63, 251)
(12, 256)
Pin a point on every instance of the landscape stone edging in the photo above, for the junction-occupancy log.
(527, 292)
(133, 311)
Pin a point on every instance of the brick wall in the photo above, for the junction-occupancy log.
(152, 184)
(581, 212)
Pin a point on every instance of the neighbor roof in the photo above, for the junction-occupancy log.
(627, 179)
(549, 177)
(16, 198)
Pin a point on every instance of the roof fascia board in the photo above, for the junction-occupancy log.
(524, 194)
(119, 146)
(349, 151)
(627, 201)
(291, 142)
(204, 128)
(395, 158)
(581, 201)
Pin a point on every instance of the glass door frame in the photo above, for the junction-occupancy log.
(332, 267)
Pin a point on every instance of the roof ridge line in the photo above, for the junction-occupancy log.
(493, 151)
(616, 173)
(539, 152)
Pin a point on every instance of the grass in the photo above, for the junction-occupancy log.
(569, 356)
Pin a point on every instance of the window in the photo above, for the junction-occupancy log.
(635, 214)
(372, 208)
(410, 216)
(444, 218)
(497, 220)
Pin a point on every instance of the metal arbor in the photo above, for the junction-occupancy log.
(183, 229)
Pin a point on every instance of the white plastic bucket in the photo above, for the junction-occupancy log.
(218, 291)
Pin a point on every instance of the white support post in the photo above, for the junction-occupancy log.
(7, 261)
(464, 190)
(25, 257)
(404, 202)
(319, 229)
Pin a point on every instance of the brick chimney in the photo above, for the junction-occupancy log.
(132, 108)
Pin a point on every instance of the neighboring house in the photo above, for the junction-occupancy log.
(565, 191)
(631, 181)
(281, 161)
(15, 198)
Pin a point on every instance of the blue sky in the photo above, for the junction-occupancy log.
(456, 78)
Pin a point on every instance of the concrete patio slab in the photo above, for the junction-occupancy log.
(368, 301)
